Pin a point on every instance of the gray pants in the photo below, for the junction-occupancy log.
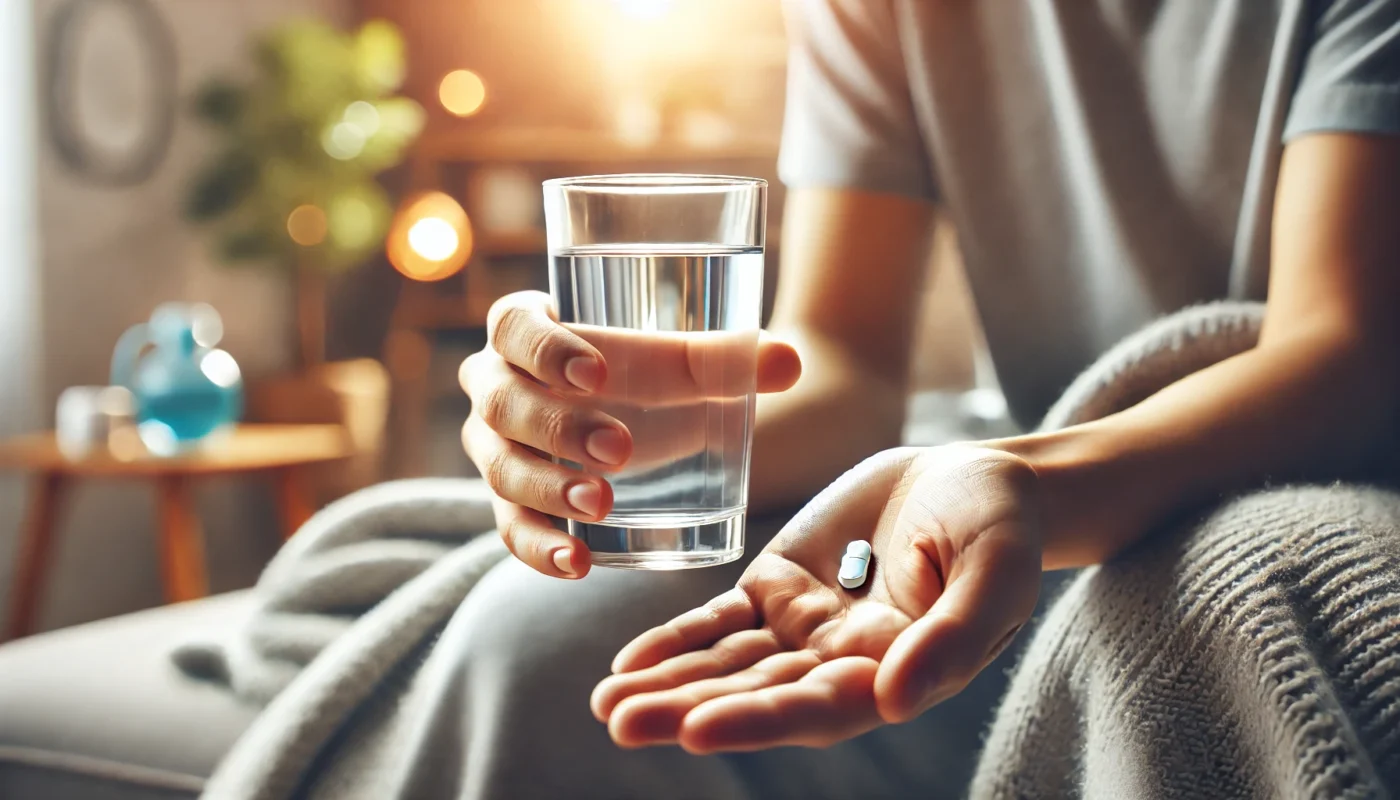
(515, 723)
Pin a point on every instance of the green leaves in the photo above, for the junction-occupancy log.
(221, 186)
(220, 103)
(313, 126)
(379, 58)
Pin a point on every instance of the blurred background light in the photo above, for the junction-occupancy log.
(307, 225)
(206, 325)
(219, 367)
(352, 222)
(505, 199)
(431, 238)
(462, 92)
(364, 116)
(343, 141)
(644, 9)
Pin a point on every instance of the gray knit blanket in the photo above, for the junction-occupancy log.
(1251, 654)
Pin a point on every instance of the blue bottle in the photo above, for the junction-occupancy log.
(185, 389)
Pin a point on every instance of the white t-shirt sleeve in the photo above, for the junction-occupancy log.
(850, 121)
(1350, 78)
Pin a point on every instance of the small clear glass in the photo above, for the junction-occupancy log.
(664, 275)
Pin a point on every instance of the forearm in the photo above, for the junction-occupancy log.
(1315, 406)
(838, 414)
(853, 263)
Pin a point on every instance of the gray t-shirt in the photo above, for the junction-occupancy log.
(1105, 161)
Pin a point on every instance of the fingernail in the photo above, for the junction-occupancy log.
(607, 445)
(563, 560)
(583, 372)
(586, 498)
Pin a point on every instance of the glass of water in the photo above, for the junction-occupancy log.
(664, 275)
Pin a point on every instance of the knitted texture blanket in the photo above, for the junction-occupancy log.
(1251, 653)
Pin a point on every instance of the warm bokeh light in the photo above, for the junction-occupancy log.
(307, 225)
(462, 92)
(644, 9)
(431, 238)
(363, 116)
(343, 140)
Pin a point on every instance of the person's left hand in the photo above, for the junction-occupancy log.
(791, 658)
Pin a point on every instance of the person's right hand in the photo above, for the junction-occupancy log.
(536, 392)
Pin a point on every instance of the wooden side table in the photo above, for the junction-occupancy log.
(277, 451)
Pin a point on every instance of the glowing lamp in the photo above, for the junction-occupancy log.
(431, 238)
(462, 92)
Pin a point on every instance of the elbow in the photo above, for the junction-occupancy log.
(1354, 386)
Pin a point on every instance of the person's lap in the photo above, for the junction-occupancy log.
(525, 650)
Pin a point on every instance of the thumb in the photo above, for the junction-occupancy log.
(985, 603)
(779, 366)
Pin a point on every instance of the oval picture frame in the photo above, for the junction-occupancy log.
(116, 133)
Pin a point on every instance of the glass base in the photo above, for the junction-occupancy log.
(704, 543)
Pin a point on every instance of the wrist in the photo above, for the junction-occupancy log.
(1093, 502)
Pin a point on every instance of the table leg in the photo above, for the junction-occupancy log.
(294, 503)
(181, 542)
(35, 547)
(408, 355)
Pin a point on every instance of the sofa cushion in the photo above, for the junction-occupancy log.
(98, 712)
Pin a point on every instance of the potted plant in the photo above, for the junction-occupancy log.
(292, 185)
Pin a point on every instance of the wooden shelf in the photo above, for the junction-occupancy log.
(548, 145)
(512, 243)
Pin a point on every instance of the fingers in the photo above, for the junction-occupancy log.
(523, 411)
(654, 368)
(657, 717)
(731, 654)
(992, 595)
(522, 328)
(729, 613)
(779, 365)
(517, 475)
(532, 538)
(832, 702)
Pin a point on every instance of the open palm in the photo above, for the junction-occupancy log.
(789, 657)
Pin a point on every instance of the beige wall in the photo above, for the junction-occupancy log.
(20, 374)
(108, 257)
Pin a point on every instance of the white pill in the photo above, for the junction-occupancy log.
(854, 564)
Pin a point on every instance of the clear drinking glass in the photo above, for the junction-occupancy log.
(664, 275)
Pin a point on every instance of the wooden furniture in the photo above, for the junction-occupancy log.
(351, 394)
(281, 452)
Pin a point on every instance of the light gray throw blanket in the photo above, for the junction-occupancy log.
(1253, 655)
(343, 616)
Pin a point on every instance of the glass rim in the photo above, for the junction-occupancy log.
(656, 180)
